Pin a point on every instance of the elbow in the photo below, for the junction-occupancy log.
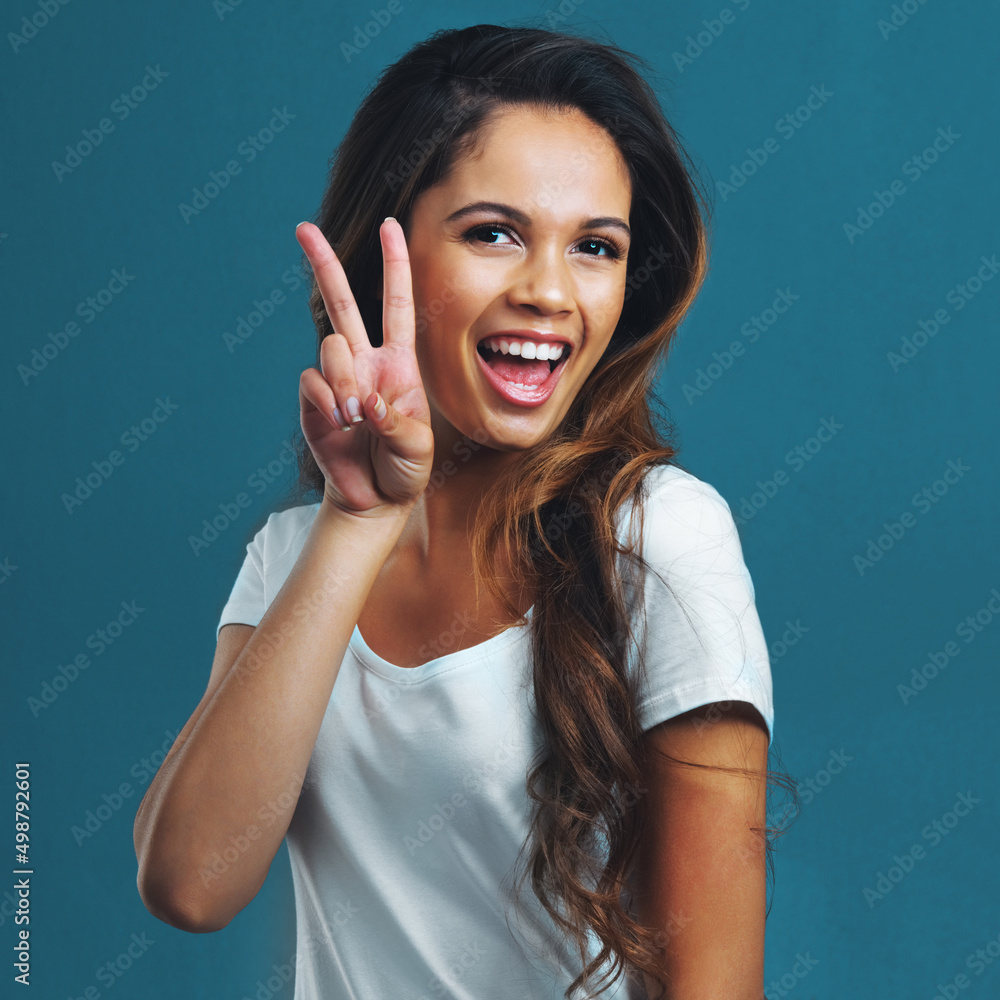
(178, 909)
(176, 890)
(164, 893)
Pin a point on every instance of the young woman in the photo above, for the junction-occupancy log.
(513, 628)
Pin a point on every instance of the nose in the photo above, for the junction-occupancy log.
(543, 282)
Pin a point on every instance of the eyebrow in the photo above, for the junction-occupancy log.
(523, 220)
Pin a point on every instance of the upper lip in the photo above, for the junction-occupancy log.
(547, 338)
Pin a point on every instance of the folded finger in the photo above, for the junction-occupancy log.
(337, 366)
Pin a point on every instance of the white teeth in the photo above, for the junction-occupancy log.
(526, 349)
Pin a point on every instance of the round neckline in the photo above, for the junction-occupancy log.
(440, 664)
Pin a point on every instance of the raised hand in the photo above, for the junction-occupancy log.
(383, 460)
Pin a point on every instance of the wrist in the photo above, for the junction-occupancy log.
(388, 518)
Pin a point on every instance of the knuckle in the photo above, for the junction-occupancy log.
(398, 301)
(343, 385)
(339, 303)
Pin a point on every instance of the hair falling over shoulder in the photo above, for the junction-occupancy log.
(552, 516)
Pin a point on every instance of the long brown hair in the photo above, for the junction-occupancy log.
(553, 513)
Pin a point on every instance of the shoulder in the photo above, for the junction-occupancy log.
(701, 640)
(683, 518)
(667, 485)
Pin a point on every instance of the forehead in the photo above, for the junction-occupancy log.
(541, 160)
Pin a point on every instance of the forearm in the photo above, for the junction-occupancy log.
(238, 775)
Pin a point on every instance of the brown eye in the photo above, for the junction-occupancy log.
(485, 231)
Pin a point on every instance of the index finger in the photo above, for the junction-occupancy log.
(341, 308)
(398, 315)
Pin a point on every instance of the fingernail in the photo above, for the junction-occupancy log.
(301, 224)
(339, 420)
(379, 406)
(388, 217)
(354, 410)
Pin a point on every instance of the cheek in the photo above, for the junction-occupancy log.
(452, 300)
(603, 304)
(440, 291)
(421, 281)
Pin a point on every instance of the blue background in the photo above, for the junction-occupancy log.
(861, 631)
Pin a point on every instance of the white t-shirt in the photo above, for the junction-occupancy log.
(414, 805)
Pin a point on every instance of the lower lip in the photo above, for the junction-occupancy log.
(522, 397)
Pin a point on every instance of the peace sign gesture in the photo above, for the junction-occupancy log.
(384, 458)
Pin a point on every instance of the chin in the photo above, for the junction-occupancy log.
(493, 430)
(510, 439)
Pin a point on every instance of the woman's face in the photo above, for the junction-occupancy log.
(524, 244)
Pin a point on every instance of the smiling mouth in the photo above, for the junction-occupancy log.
(492, 358)
(523, 381)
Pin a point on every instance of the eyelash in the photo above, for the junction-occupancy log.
(616, 249)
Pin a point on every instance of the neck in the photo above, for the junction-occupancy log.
(463, 472)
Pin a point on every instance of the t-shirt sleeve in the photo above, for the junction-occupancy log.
(701, 641)
(246, 604)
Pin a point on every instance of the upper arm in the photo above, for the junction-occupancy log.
(700, 638)
(700, 872)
